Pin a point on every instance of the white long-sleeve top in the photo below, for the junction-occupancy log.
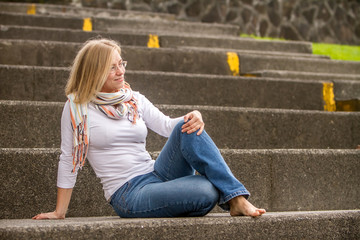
(117, 150)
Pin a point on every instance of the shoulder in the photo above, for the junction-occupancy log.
(144, 105)
(142, 100)
(137, 95)
(66, 106)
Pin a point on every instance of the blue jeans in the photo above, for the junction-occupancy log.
(173, 189)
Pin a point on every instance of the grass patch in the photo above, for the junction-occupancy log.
(261, 38)
(337, 52)
(334, 51)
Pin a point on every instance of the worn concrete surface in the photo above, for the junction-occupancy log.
(113, 24)
(279, 180)
(230, 127)
(305, 75)
(250, 64)
(60, 10)
(165, 39)
(306, 225)
(48, 53)
(47, 84)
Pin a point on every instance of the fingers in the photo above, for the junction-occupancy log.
(186, 117)
(193, 122)
(43, 216)
(201, 130)
(49, 215)
(193, 128)
(40, 216)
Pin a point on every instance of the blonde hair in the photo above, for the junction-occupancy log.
(90, 69)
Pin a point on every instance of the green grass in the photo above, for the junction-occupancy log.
(337, 52)
(261, 38)
(334, 51)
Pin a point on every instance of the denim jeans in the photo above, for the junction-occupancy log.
(173, 189)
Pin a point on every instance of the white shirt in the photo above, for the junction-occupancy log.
(116, 147)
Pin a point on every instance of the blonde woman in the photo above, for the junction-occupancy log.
(106, 122)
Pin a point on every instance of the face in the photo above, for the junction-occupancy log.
(115, 79)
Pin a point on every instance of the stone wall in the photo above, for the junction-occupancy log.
(329, 21)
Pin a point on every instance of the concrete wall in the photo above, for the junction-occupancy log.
(329, 21)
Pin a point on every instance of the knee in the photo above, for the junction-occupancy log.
(178, 126)
(208, 191)
(213, 194)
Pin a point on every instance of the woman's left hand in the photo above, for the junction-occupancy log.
(193, 122)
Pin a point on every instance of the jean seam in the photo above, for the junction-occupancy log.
(123, 206)
(165, 206)
(170, 161)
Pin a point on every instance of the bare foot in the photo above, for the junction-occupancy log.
(239, 206)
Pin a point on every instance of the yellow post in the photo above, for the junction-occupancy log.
(153, 41)
(87, 26)
(329, 97)
(233, 62)
(31, 10)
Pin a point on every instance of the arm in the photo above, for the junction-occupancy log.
(65, 179)
(62, 203)
(163, 125)
(154, 118)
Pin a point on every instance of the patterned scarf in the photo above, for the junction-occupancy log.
(114, 105)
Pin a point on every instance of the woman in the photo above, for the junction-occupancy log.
(106, 122)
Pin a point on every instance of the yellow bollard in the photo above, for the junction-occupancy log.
(87, 26)
(233, 62)
(31, 10)
(329, 97)
(153, 41)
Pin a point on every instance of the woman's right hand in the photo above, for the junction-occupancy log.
(49, 215)
(62, 203)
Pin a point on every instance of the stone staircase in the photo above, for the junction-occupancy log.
(263, 103)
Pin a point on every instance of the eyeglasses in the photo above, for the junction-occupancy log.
(115, 67)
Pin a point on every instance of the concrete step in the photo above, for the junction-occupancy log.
(165, 39)
(231, 127)
(346, 87)
(250, 64)
(51, 9)
(116, 24)
(257, 52)
(44, 84)
(306, 75)
(48, 53)
(283, 225)
(279, 180)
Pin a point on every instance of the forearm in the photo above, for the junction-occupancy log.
(63, 200)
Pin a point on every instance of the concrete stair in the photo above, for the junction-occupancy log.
(279, 179)
(288, 225)
(299, 161)
(52, 53)
(306, 75)
(255, 92)
(52, 9)
(245, 127)
(141, 39)
(115, 24)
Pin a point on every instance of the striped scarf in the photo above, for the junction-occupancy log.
(114, 105)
